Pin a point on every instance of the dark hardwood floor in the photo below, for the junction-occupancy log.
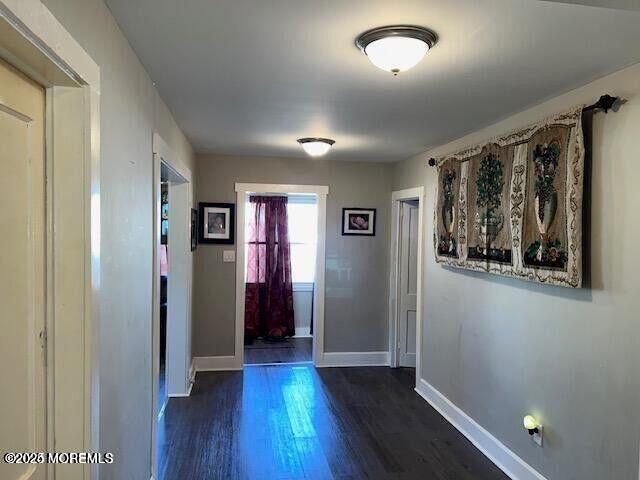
(296, 349)
(296, 422)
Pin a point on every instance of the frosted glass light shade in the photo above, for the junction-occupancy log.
(396, 54)
(316, 147)
(396, 48)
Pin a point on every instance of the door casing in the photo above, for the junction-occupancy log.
(416, 193)
(179, 369)
(242, 191)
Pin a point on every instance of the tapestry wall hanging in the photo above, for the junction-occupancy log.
(513, 206)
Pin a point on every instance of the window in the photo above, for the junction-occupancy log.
(302, 215)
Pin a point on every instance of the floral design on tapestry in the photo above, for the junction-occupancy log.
(547, 250)
(490, 183)
(490, 202)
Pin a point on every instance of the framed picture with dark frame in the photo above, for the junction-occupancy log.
(216, 223)
(359, 221)
(194, 229)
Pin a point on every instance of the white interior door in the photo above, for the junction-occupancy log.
(408, 284)
(22, 280)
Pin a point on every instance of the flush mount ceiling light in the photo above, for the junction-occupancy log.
(316, 147)
(396, 48)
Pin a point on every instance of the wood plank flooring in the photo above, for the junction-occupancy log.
(296, 422)
(291, 350)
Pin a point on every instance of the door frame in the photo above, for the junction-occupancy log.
(321, 192)
(34, 42)
(164, 156)
(398, 196)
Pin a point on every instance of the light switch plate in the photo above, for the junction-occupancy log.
(229, 256)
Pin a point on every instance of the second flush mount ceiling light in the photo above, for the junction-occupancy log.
(396, 48)
(316, 147)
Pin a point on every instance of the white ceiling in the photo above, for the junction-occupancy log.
(249, 77)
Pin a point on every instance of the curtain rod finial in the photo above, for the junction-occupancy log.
(432, 162)
(605, 103)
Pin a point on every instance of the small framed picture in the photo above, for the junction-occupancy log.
(359, 221)
(216, 222)
(194, 229)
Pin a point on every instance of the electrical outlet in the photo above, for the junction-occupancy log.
(537, 436)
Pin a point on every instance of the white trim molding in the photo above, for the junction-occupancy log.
(33, 20)
(303, 287)
(169, 158)
(282, 188)
(354, 359)
(216, 364)
(321, 192)
(416, 193)
(504, 458)
(179, 395)
(303, 332)
(192, 373)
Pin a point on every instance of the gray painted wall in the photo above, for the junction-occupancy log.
(356, 267)
(499, 348)
(131, 110)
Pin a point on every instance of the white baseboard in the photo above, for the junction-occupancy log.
(190, 381)
(354, 359)
(303, 332)
(179, 395)
(490, 446)
(215, 364)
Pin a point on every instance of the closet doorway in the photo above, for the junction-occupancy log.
(280, 273)
(405, 282)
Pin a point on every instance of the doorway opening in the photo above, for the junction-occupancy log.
(405, 292)
(289, 331)
(171, 372)
(173, 262)
(281, 238)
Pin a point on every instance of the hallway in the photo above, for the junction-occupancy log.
(359, 198)
(296, 422)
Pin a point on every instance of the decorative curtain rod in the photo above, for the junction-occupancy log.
(604, 103)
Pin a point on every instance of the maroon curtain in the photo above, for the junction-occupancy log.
(269, 293)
